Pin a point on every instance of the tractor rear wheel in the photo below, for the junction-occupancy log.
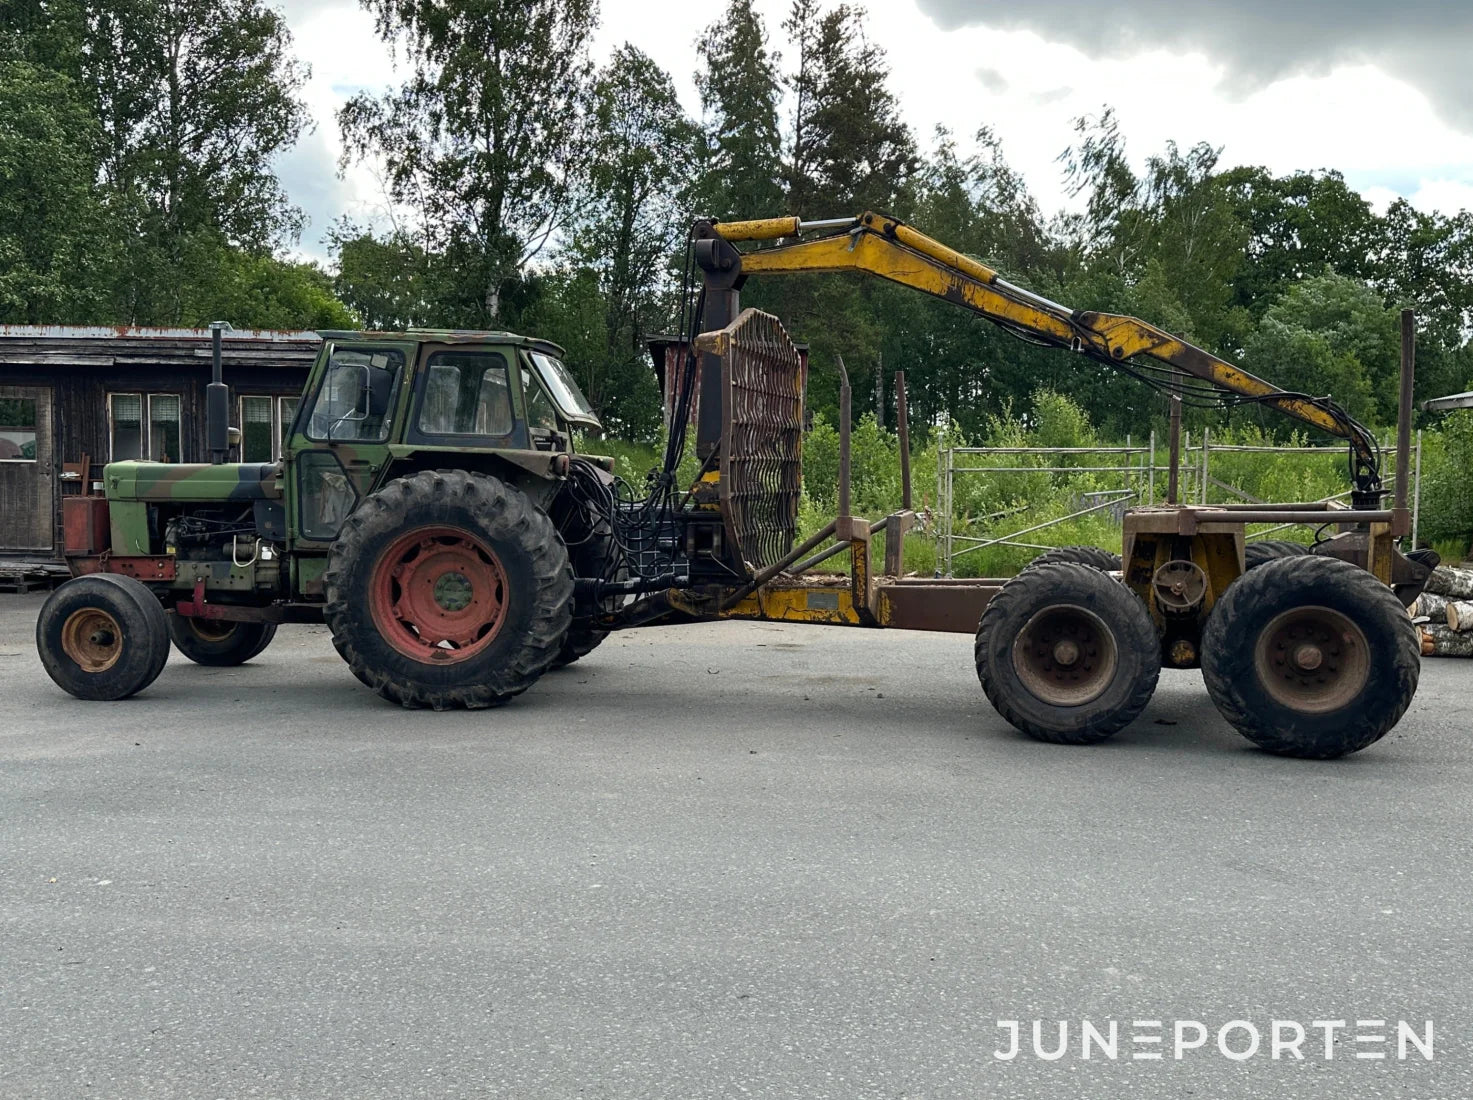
(1310, 656)
(219, 643)
(448, 589)
(1256, 553)
(1095, 556)
(1067, 654)
(102, 636)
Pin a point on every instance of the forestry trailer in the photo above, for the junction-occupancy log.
(430, 509)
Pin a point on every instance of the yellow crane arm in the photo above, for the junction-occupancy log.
(883, 246)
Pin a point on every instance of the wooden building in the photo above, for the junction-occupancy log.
(74, 399)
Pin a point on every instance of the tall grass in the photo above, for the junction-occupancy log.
(988, 505)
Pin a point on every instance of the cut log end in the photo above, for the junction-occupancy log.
(1460, 616)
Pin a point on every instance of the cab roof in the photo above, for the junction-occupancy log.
(444, 336)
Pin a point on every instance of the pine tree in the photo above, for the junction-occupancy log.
(740, 89)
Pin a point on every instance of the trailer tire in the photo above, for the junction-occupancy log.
(1310, 656)
(102, 636)
(219, 643)
(448, 589)
(1067, 654)
(1094, 556)
(1257, 553)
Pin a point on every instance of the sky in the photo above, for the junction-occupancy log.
(1380, 92)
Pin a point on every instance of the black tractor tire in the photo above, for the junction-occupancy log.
(1067, 654)
(218, 643)
(1256, 553)
(1310, 656)
(103, 636)
(487, 561)
(1095, 556)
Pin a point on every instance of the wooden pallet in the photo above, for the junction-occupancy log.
(18, 583)
(22, 576)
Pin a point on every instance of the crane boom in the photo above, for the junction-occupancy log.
(888, 248)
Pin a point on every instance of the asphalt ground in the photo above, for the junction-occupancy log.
(715, 861)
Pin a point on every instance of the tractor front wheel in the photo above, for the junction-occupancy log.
(1310, 656)
(102, 636)
(218, 643)
(448, 589)
(1067, 654)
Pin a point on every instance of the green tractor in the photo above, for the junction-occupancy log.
(426, 509)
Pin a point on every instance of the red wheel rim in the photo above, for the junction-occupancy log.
(438, 595)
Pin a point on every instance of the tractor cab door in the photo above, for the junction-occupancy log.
(338, 445)
(463, 399)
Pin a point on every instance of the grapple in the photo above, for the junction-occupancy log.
(761, 439)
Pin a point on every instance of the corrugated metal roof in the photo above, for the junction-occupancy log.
(138, 332)
(68, 347)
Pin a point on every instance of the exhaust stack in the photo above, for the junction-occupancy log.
(217, 400)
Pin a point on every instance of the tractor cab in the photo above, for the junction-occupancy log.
(381, 404)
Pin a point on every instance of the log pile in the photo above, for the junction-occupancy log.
(1449, 580)
(1448, 603)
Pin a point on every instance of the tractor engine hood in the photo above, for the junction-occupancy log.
(192, 481)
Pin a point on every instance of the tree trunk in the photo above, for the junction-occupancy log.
(1440, 641)
(1434, 607)
(1447, 580)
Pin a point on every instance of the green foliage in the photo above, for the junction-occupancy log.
(481, 144)
(256, 291)
(51, 211)
(137, 141)
(196, 99)
(1447, 489)
(740, 88)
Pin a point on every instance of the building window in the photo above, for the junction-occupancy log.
(17, 429)
(286, 408)
(145, 426)
(257, 430)
(264, 424)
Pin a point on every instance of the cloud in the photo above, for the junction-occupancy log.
(992, 80)
(1256, 42)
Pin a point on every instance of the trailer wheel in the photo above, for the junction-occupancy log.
(102, 636)
(1067, 654)
(448, 589)
(1095, 556)
(219, 643)
(1256, 553)
(1310, 656)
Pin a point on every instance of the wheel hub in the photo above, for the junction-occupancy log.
(1066, 652)
(439, 594)
(1065, 655)
(1313, 659)
(453, 592)
(92, 639)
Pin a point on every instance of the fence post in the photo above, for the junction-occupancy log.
(1206, 443)
(1417, 490)
(1151, 472)
(950, 504)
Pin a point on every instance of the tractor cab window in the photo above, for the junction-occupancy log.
(563, 389)
(466, 393)
(353, 402)
(541, 412)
